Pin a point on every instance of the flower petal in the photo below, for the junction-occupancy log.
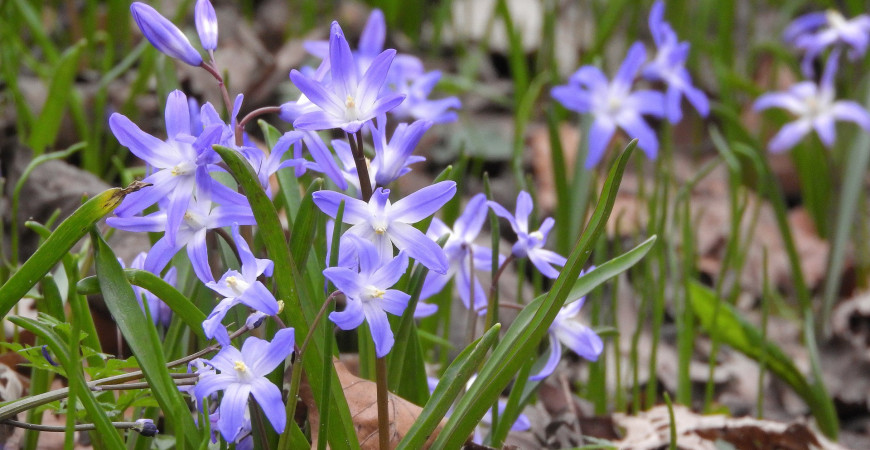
(268, 396)
(233, 406)
(382, 334)
(552, 360)
(418, 246)
(355, 211)
(350, 318)
(423, 203)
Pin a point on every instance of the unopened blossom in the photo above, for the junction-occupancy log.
(531, 243)
(163, 34)
(407, 77)
(241, 287)
(567, 330)
(669, 66)
(460, 250)
(161, 313)
(816, 31)
(613, 105)
(200, 216)
(206, 24)
(175, 160)
(386, 224)
(351, 98)
(815, 108)
(240, 374)
(369, 297)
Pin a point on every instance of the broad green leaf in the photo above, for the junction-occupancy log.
(449, 387)
(297, 313)
(524, 335)
(305, 225)
(141, 335)
(180, 305)
(59, 243)
(721, 321)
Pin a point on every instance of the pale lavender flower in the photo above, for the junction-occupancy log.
(241, 287)
(531, 244)
(387, 224)
(163, 34)
(161, 313)
(669, 66)
(407, 77)
(566, 330)
(199, 217)
(175, 159)
(613, 104)
(816, 31)
(369, 297)
(393, 157)
(243, 373)
(350, 99)
(815, 108)
(206, 24)
(460, 248)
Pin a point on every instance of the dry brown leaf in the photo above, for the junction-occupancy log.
(651, 430)
(361, 397)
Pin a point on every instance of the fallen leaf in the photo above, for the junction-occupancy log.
(651, 430)
(361, 397)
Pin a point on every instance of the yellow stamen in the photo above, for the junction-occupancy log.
(241, 366)
(350, 102)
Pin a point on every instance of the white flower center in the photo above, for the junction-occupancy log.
(238, 285)
(371, 293)
(836, 20)
(194, 220)
(350, 104)
(182, 168)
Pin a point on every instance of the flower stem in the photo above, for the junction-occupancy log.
(362, 169)
(296, 373)
(240, 127)
(493, 291)
(225, 94)
(78, 427)
(383, 405)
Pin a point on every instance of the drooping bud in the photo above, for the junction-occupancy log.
(206, 24)
(163, 34)
(146, 427)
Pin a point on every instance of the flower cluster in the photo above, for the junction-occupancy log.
(368, 92)
(614, 104)
(814, 104)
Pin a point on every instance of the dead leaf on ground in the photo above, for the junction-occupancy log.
(651, 430)
(361, 397)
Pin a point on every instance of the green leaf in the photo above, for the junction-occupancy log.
(46, 127)
(297, 313)
(522, 339)
(724, 323)
(180, 305)
(449, 387)
(59, 243)
(305, 226)
(141, 335)
(106, 432)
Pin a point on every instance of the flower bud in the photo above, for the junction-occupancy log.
(206, 24)
(146, 427)
(163, 35)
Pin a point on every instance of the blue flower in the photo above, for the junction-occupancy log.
(669, 67)
(579, 338)
(163, 35)
(241, 287)
(349, 100)
(816, 31)
(815, 108)
(243, 373)
(199, 217)
(613, 105)
(407, 77)
(393, 157)
(531, 244)
(176, 160)
(387, 224)
(206, 24)
(459, 248)
(368, 293)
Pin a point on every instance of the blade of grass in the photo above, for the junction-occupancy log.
(45, 128)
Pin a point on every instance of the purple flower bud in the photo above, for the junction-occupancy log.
(206, 24)
(163, 35)
(146, 427)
